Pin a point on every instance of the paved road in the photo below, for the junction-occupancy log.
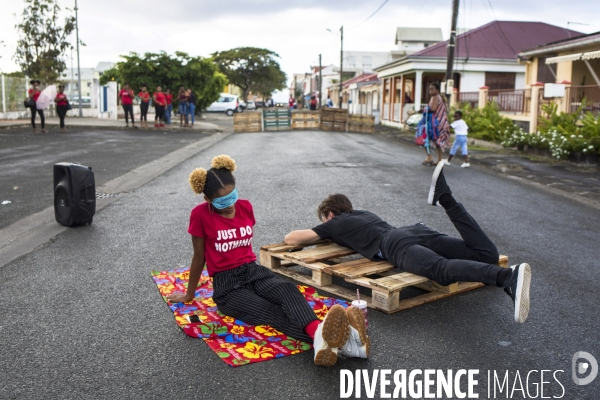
(27, 159)
(81, 317)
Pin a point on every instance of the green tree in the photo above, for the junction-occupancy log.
(251, 69)
(160, 69)
(43, 40)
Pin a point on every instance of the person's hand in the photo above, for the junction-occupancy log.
(178, 298)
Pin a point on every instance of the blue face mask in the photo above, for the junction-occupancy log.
(226, 201)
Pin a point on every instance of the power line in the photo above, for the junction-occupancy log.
(369, 17)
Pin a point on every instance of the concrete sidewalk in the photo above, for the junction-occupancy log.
(53, 122)
(579, 182)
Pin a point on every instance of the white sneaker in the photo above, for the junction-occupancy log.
(332, 333)
(465, 165)
(358, 344)
(446, 162)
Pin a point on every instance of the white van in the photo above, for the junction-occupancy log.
(227, 103)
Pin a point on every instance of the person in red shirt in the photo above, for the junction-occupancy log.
(160, 103)
(144, 104)
(126, 95)
(222, 230)
(34, 93)
(291, 102)
(61, 101)
(169, 108)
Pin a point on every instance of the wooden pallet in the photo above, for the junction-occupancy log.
(305, 119)
(327, 259)
(277, 119)
(361, 123)
(248, 121)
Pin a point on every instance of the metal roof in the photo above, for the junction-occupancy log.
(500, 40)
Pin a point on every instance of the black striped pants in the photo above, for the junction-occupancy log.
(253, 294)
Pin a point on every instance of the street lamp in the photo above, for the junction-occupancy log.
(341, 59)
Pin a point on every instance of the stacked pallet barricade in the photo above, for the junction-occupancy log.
(334, 119)
(248, 121)
(361, 123)
(305, 119)
(277, 119)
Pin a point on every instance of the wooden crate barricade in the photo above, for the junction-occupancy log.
(248, 121)
(324, 262)
(277, 119)
(361, 123)
(334, 119)
(305, 119)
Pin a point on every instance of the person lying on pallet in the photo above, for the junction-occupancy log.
(222, 231)
(420, 250)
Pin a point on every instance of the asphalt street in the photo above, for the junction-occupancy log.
(26, 160)
(82, 318)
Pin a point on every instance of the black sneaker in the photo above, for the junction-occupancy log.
(517, 287)
(438, 185)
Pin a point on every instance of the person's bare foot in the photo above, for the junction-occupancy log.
(35, 131)
(44, 131)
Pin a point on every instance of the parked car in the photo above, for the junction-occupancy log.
(85, 101)
(242, 104)
(259, 104)
(227, 103)
(251, 105)
(414, 120)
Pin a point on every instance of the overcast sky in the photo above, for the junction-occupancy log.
(296, 30)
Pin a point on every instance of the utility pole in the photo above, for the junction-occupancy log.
(72, 80)
(342, 60)
(78, 67)
(320, 84)
(451, 45)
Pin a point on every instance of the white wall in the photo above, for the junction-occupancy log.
(520, 81)
(471, 81)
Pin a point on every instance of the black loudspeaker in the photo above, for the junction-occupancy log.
(74, 194)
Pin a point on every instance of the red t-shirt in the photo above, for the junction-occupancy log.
(160, 98)
(62, 99)
(169, 98)
(126, 96)
(227, 241)
(291, 102)
(144, 96)
(36, 94)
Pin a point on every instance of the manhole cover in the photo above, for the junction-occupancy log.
(107, 195)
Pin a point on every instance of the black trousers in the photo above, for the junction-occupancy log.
(42, 117)
(160, 113)
(128, 108)
(144, 111)
(62, 112)
(253, 294)
(422, 251)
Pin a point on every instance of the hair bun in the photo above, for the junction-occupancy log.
(223, 161)
(198, 180)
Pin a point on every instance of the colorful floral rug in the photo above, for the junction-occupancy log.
(234, 341)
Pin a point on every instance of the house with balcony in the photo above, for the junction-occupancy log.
(484, 56)
(569, 70)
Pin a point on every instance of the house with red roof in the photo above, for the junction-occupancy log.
(484, 56)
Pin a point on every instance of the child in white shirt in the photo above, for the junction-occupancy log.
(461, 130)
